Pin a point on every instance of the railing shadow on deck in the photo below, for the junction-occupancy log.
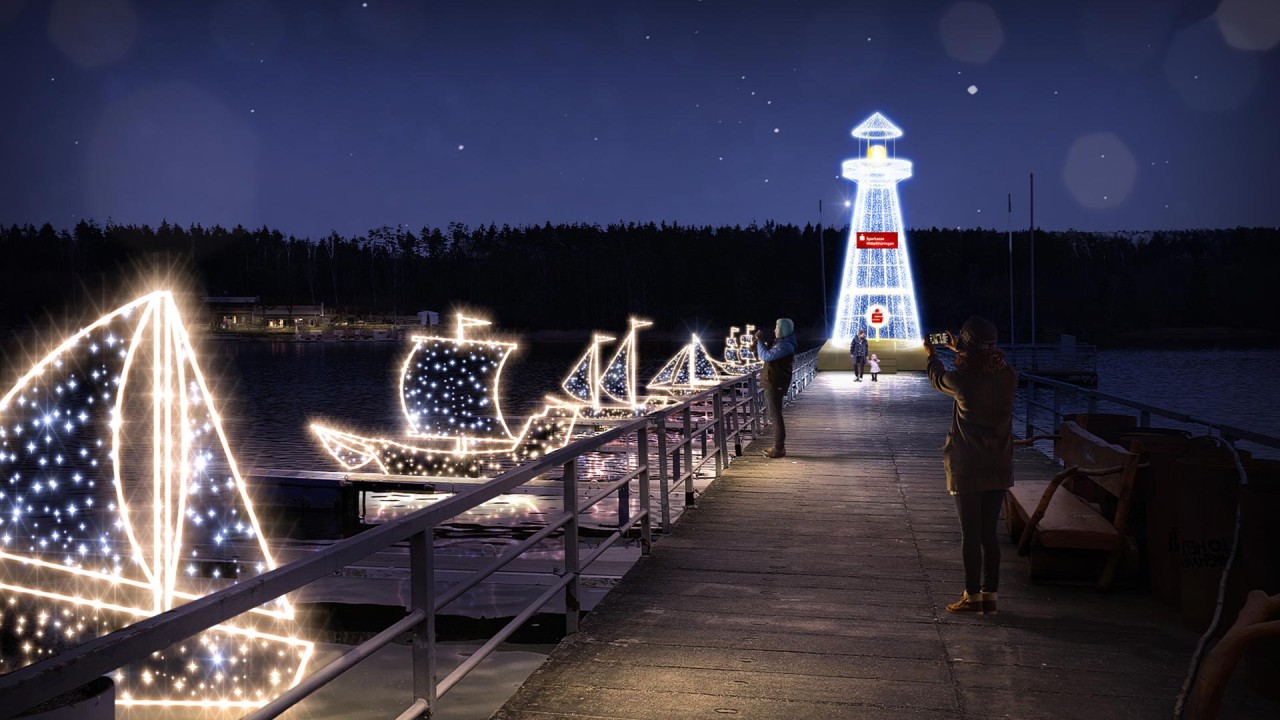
(712, 418)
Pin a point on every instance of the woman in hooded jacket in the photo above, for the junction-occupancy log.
(978, 453)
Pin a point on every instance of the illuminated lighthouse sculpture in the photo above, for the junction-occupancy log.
(876, 292)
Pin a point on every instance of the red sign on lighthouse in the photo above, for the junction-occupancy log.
(877, 241)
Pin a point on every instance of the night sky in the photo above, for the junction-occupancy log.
(318, 116)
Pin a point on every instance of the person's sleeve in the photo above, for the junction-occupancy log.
(769, 354)
(939, 378)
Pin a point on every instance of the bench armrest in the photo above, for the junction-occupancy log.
(1024, 543)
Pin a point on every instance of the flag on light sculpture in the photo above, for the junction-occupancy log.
(877, 269)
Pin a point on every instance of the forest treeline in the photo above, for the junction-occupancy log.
(1100, 287)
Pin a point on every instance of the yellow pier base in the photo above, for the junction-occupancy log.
(895, 355)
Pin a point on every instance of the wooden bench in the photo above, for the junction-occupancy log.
(1049, 516)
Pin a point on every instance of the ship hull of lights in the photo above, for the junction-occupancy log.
(98, 531)
(692, 370)
(877, 277)
(452, 410)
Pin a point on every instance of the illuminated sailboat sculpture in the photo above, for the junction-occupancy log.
(739, 352)
(449, 396)
(120, 500)
(690, 370)
(611, 391)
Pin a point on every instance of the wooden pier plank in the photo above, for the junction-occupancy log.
(815, 587)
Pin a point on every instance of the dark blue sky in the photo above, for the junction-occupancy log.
(312, 116)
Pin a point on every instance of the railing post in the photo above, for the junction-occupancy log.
(1144, 419)
(664, 488)
(646, 520)
(1057, 410)
(722, 456)
(752, 385)
(1031, 397)
(688, 454)
(1093, 403)
(572, 606)
(737, 420)
(624, 504)
(702, 440)
(422, 596)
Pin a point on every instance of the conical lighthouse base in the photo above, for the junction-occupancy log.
(895, 355)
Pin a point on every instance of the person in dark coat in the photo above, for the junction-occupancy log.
(778, 357)
(978, 453)
(858, 349)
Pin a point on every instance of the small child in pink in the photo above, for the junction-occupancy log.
(874, 366)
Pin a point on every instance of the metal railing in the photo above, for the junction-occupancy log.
(1066, 398)
(711, 418)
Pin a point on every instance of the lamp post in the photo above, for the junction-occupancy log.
(822, 263)
(1033, 272)
(1010, 221)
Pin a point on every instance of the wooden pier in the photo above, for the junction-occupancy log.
(815, 586)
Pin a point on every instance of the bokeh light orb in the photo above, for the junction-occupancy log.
(1207, 74)
(1100, 171)
(1249, 24)
(971, 32)
(93, 32)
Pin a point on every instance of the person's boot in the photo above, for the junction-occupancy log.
(775, 452)
(967, 604)
(989, 603)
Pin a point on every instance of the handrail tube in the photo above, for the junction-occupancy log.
(452, 678)
(414, 711)
(348, 660)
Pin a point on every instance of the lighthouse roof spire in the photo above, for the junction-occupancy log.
(877, 127)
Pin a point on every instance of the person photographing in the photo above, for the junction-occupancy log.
(978, 453)
(778, 357)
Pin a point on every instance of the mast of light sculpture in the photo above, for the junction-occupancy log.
(877, 270)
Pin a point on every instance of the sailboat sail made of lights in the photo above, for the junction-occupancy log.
(690, 370)
(121, 500)
(611, 391)
(449, 398)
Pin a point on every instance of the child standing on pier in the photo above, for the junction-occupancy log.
(873, 365)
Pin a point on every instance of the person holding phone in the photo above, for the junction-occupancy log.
(978, 453)
(778, 357)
